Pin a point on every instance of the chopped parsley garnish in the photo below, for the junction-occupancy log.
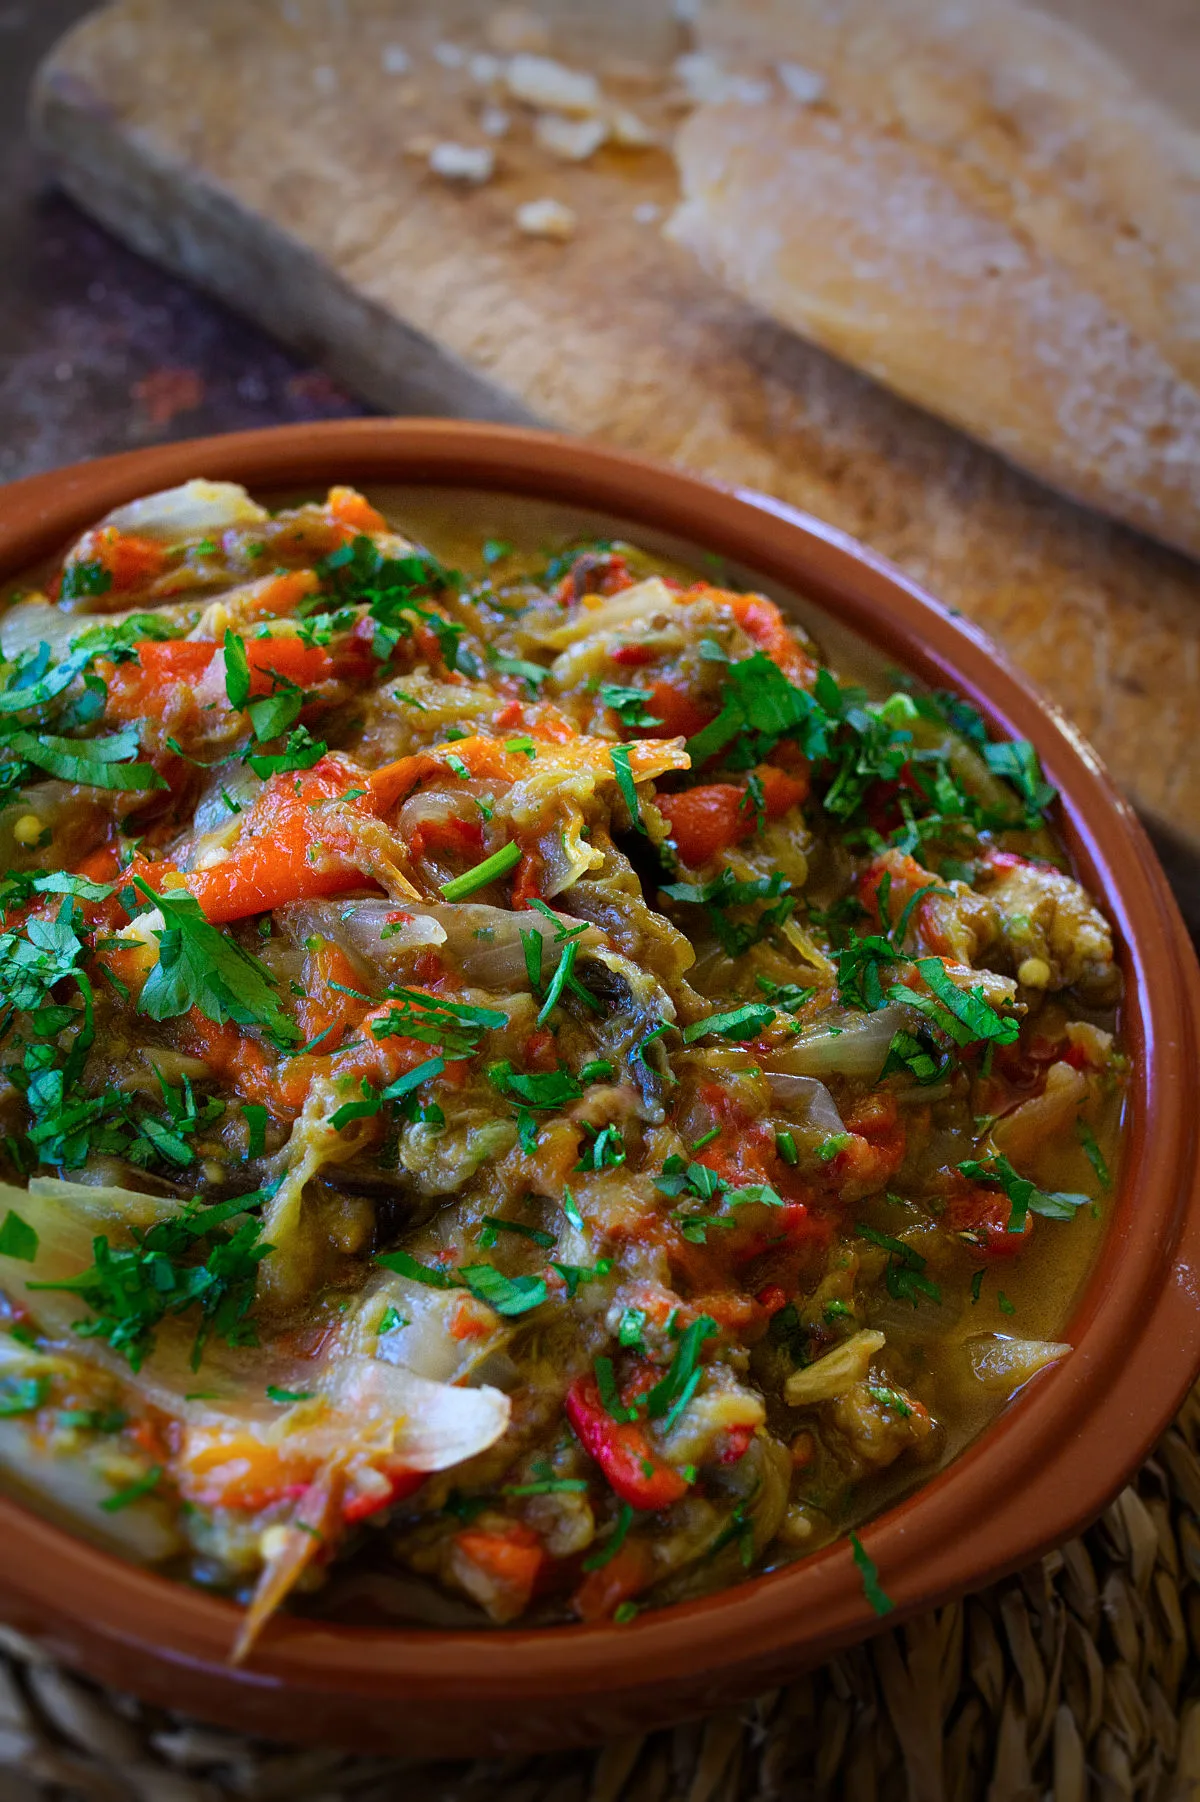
(393, 589)
(18, 1239)
(455, 1026)
(183, 1263)
(23, 1395)
(625, 783)
(133, 1492)
(492, 1224)
(672, 1393)
(629, 704)
(680, 1178)
(608, 1549)
(85, 579)
(873, 1589)
(201, 966)
(631, 1327)
(723, 892)
(287, 1398)
(532, 674)
(507, 1295)
(1024, 1196)
(1093, 1153)
(490, 870)
(737, 1023)
(564, 978)
(540, 1089)
(904, 1274)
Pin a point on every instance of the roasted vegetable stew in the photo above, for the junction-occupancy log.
(525, 1094)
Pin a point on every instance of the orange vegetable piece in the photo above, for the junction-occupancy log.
(324, 1010)
(625, 1575)
(352, 509)
(763, 623)
(706, 820)
(142, 689)
(289, 657)
(290, 849)
(681, 714)
(506, 1566)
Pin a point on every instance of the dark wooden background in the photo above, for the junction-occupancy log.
(99, 350)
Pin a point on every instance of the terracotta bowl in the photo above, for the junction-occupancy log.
(1048, 1465)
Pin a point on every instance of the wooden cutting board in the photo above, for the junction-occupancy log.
(266, 150)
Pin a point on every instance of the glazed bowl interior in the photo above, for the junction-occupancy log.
(1050, 1461)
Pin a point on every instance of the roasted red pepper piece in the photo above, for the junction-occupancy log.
(623, 1451)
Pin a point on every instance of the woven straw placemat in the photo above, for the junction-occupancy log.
(1077, 1679)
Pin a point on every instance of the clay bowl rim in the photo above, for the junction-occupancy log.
(1049, 1463)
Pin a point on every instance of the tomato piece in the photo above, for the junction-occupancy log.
(982, 1216)
(396, 1486)
(289, 849)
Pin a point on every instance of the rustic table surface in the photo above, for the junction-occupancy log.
(99, 350)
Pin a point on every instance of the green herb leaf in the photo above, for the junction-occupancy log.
(133, 1492)
(509, 1295)
(1024, 1196)
(625, 783)
(18, 1239)
(490, 870)
(737, 1023)
(1093, 1153)
(94, 762)
(629, 704)
(201, 966)
(873, 1589)
(403, 1264)
(287, 1397)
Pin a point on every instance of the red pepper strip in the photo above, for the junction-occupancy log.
(131, 560)
(705, 821)
(623, 1451)
(763, 623)
(400, 1485)
(288, 656)
(288, 851)
(137, 690)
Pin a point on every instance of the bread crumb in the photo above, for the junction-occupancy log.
(423, 145)
(804, 85)
(494, 121)
(572, 140)
(704, 80)
(647, 212)
(451, 56)
(514, 28)
(546, 219)
(395, 60)
(469, 163)
(484, 68)
(630, 132)
(551, 87)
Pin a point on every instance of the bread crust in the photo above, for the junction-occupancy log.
(985, 213)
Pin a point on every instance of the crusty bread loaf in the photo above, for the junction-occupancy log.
(982, 210)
